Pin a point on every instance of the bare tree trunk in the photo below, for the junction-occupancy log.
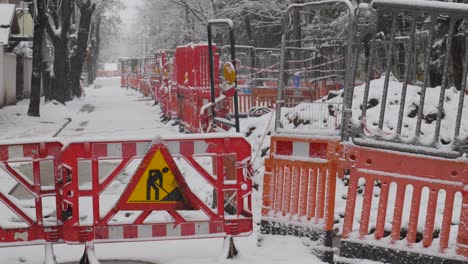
(89, 61)
(61, 89)
(248, 28)
(97, 50)
(79, 54)
(40, 20)
(296, 23)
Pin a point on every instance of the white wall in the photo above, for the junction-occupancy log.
(9, 71)
(2, 84)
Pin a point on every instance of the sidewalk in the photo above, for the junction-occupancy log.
(107, 111)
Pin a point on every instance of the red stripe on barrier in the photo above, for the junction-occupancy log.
(216, 227)
(187, 229)
(4, 153)
(130, 232)
(187, 148)
(284, 148)
(30, 150)
(129, 150)
(317, 150)
(159, 230)
(101, 233)
(99, 150)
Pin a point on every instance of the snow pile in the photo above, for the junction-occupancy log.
(317, 116)
(323, 115)
(24, 48)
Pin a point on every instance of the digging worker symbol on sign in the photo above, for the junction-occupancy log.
(155, 182)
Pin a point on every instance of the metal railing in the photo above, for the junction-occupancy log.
(442, 25)
(307, 58)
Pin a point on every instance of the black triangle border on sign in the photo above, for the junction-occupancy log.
(164, 204)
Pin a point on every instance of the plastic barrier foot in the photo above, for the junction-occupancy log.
(49, 254)
(89, 256)
(229, 248)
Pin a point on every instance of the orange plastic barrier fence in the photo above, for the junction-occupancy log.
(245, 103)
(144, 86)
(135, 81)
(299, 186)
(406, 171)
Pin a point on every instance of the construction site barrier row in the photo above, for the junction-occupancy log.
(184, 91)
(397, 202)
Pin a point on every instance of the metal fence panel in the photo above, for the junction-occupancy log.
(424, 63)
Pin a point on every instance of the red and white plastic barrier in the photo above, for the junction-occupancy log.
(132, 190)
(29, 193)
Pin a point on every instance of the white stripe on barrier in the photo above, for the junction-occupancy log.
(173, 147)
(114, 150)
(202, 228)
(142, 148)
(173, 230)
(200, 146)
(115, 232)
(301, 149)
(15, 152)
(145, 231)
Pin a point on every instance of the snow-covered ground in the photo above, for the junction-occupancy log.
(106, 112)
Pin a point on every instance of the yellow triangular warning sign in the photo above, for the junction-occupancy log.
(158, 183)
